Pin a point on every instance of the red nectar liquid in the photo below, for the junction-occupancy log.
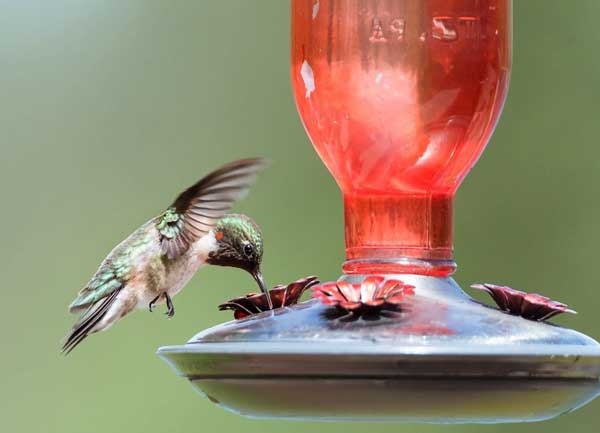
(399, 98)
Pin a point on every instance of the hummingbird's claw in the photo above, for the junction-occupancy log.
(170, 308)
(152, 302)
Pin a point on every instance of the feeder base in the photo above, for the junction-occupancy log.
(446, 359)
(399, 400)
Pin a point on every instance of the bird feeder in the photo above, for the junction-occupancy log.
(399, 98)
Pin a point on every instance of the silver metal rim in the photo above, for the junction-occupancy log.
(352, 348)
(272, 360)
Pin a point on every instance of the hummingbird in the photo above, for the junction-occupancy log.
(158, 259)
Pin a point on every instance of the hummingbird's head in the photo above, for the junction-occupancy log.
(239, 244)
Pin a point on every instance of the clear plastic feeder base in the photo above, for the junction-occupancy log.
(445, 358)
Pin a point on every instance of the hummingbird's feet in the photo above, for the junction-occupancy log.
(170, 308)
(152, 302)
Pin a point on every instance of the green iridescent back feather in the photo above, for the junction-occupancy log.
(115, 270)
(170, 223)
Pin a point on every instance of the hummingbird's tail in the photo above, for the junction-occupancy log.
(86, 323)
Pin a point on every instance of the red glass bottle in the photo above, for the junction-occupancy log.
(399, 98)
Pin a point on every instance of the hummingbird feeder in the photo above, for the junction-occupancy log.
(399, 98)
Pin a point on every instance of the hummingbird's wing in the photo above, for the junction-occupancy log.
(111, 276)
(100, 293)
(87, 321)
(198, 209)
(96, 297)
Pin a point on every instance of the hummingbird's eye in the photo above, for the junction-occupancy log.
(249, 250)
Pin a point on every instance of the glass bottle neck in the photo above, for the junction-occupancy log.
(399, 233)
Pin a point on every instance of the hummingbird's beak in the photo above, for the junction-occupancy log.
(261, 283)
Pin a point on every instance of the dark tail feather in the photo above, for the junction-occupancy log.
(86, 323)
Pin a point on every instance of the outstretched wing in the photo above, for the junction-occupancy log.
(198, 209)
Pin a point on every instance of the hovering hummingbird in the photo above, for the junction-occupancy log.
(157, 260)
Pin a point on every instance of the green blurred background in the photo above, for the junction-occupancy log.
(109, 107)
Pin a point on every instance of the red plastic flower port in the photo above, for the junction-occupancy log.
(371, 296)
(527, 305)
(281, 296)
